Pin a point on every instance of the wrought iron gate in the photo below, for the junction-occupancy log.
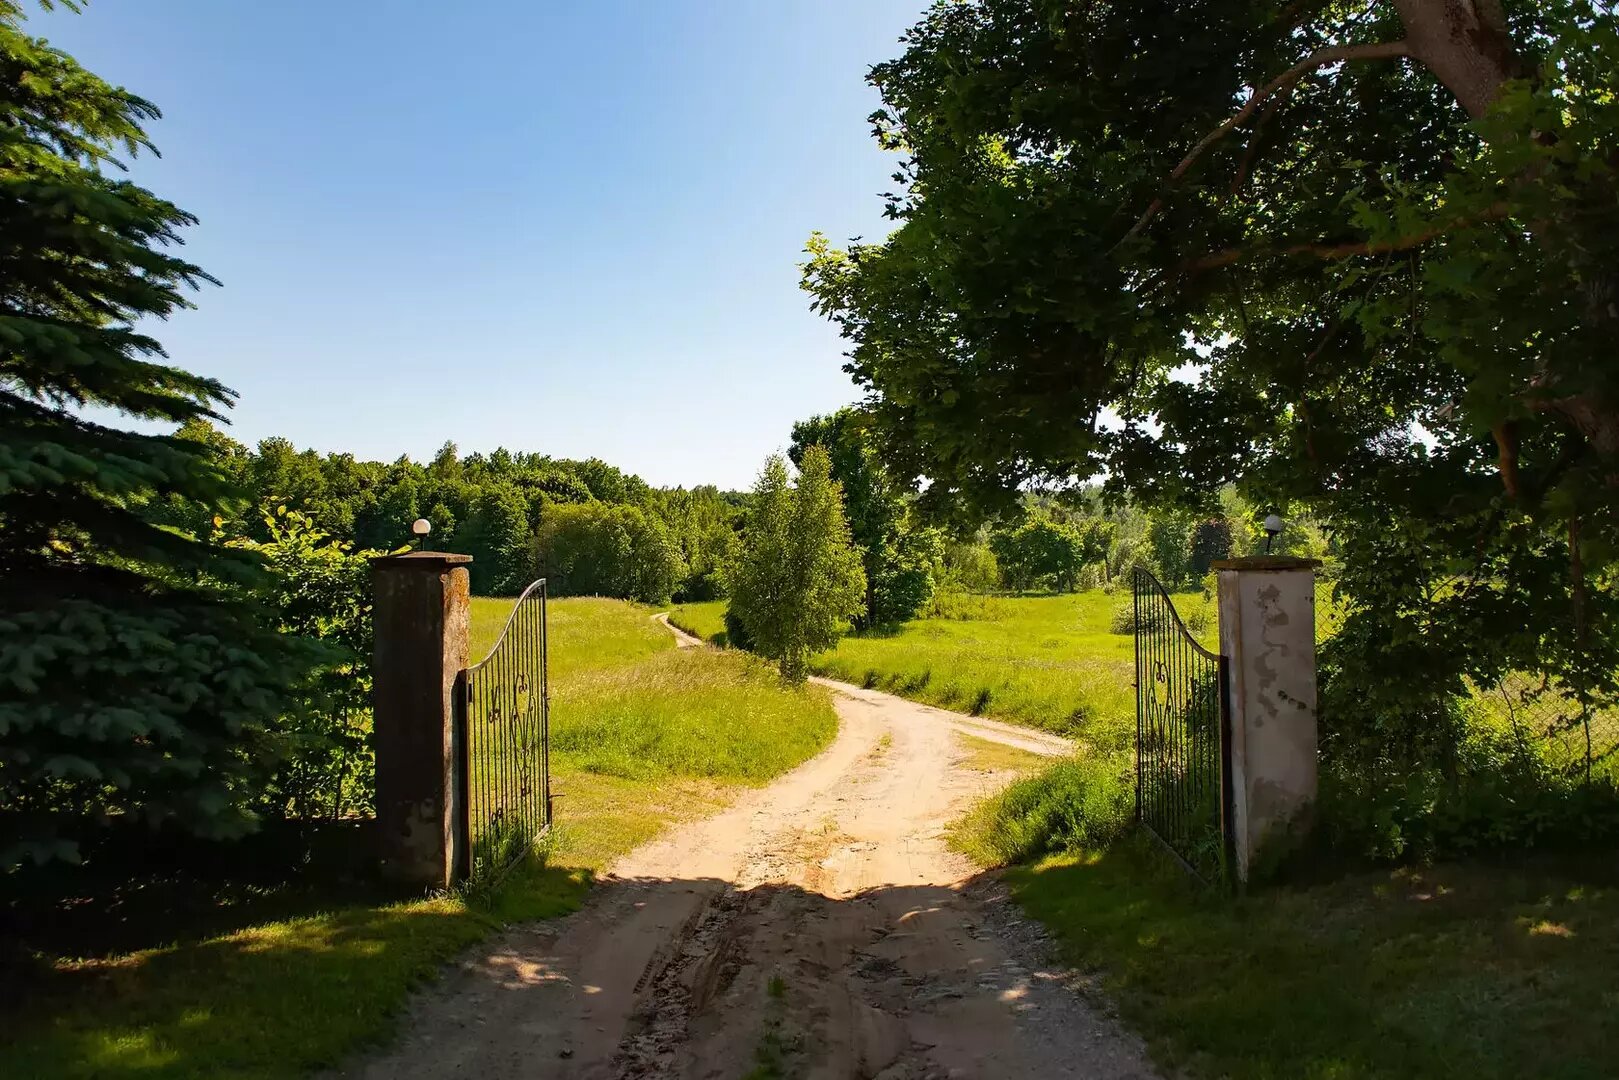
(1183, 736)
(504, 733)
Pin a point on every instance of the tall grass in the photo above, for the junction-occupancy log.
(720, 715)
(1052, 662)
(705, 620)
(1082, 804)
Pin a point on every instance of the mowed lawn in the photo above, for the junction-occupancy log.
(1051, 662)
(292, 978)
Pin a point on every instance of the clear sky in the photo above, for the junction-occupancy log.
(564, 227)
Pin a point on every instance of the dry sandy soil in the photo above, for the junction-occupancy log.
(820, 927)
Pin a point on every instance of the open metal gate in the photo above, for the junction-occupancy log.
(503, 719)
(1183, 736)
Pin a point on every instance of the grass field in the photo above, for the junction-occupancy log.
(1488, 970)
(293, 979)
(1051, 662)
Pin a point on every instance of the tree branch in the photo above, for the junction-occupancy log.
(1337, 54)
(1348, 249)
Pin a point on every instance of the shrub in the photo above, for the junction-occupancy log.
(965, 607)
(320, 589)
(597, 549)
(736, 632)
(1079, 804)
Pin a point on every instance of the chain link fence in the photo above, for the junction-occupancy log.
(1547, 716)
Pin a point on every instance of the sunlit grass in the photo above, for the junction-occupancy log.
(1051, 662)
(705, 620)
(643, 738)
(1489, 971)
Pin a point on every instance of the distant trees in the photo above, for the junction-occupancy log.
(137, 683)
(900, 556)
(597, 549)
(493, 507)
(1043, 551)
(796, 582)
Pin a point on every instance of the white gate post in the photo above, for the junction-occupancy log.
(1267, 632)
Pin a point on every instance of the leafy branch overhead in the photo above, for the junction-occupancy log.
(1361, 258)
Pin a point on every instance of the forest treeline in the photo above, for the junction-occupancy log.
(591, 528)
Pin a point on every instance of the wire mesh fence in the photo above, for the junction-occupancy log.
(1546, 716)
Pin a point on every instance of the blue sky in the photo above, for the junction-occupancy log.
(570, 228)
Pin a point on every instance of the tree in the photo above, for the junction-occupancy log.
(1359, 258)
(796, 582)
(497, 536)
(900, 557)
(137, 687)
(594, 549)
(1042, 551)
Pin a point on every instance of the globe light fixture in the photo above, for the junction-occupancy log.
(1273, 525)
(421, 527)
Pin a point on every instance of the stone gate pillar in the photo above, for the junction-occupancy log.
(421, 616)
(1267, 632)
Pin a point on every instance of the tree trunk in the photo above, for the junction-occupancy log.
(1465, 44)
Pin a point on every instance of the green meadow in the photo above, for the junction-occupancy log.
(1051, 662)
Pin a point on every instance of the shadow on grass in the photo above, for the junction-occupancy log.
(302, 977)
(1476, 970)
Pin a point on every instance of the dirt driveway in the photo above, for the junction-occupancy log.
(820, 927)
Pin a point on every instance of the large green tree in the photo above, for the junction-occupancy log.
(1357, 256)
(133, 687)
(901, 556)
(796, 581)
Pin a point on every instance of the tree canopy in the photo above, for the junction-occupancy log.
(1355, 257)
(901, 556)
(796, 581)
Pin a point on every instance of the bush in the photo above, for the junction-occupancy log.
(597, 549)
(1080, 804)
(325, 765)
(1124, 616)
(736, 632)
(965, 607)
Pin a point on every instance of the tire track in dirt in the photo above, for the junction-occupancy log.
(820, 927)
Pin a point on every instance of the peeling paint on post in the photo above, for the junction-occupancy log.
(1267, 630)
(422, 616)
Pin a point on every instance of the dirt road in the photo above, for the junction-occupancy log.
(818, 928)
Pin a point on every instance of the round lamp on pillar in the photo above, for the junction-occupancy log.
(1273, 525)
(421, 527)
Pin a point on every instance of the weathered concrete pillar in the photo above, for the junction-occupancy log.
(1267, 630)
(421, 616)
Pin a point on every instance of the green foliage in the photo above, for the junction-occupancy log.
(320, 590)
(596, 549)
(970, 566)
(1046, 552)
(703, 523)
(1211, 541)
(497, 536)
(135, 685)
(1381, 294)
(901, 558)
(796, 582)
(1082, 804)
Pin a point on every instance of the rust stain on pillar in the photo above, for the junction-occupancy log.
(422, 617)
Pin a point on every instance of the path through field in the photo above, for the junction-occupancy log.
(820, 927)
